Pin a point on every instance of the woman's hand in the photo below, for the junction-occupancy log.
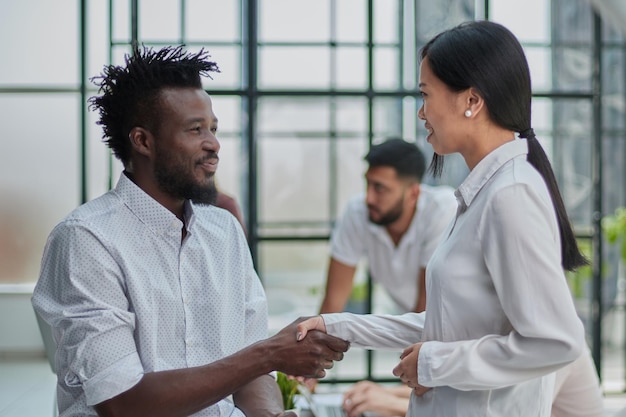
(313, 323)
(406, 370)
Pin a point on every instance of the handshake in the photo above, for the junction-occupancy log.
(304, 349)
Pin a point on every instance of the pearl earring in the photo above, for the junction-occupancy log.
(468, 113)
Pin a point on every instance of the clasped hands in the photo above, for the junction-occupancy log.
(406, 370)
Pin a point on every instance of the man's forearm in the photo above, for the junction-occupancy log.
(260, 398)
(182, 392)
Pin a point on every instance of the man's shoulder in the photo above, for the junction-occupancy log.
(356, 204)
(356, 210)
(92, 209)
(440, 195)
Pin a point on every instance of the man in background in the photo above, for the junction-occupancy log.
(395, 228)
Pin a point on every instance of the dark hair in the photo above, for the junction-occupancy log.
(130, 93)
(405, 157)
(488, 57)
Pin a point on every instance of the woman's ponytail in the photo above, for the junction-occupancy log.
(571, 257)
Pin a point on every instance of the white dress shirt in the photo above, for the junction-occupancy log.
(499, 316)
(396, 268)
(124, 297)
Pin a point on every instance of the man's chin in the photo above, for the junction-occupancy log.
(206, 195)
(375, 220)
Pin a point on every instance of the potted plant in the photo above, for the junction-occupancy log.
(288, 389)
(614, 226)
(357, 303)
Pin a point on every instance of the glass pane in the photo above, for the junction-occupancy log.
(515, 15)
(387, 68)
(573, 69)
(121, 20)
(294, 67)
(386, 25)
(572, 21)
(294, 20)
(542, 122)
(613, 101)
(293, 115)
(103, 169)
(293, 181)
(571, 157)
(614, 172)
(350, 170)
(46, 188)
(228, 112)
(435, 16)
(229, 174)
(213, 20)
(30, 57)
(159, 20)
(293, 274)
(351, 18)
(351, 115)
(575, 179)
(97, 37)
(387, 117)
(228, 59)
(351, 68)
(411, 123)
(540, 64)
(119, 53)
(232, 163)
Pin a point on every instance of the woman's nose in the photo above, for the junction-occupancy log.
(420, 113)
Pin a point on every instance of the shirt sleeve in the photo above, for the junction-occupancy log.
(347, 242)
(376, 331)
(521, 249)
(92, 324)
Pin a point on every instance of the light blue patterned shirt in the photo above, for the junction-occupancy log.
(124, 297)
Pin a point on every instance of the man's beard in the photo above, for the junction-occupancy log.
(391, 215)
(174, 180)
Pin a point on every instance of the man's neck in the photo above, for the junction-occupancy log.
(397, 229)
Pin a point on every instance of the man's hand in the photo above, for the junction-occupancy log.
(366, 396)
(406, 370)
(307, 357)
(288, 414)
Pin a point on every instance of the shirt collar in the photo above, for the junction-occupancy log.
(486, 169)
(148, 210)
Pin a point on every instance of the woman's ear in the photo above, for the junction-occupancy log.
(475, 101)
(141, 141)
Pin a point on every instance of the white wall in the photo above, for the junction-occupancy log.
(19, 333)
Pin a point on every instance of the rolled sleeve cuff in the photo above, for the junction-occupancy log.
(114, 380)
(424, 363)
